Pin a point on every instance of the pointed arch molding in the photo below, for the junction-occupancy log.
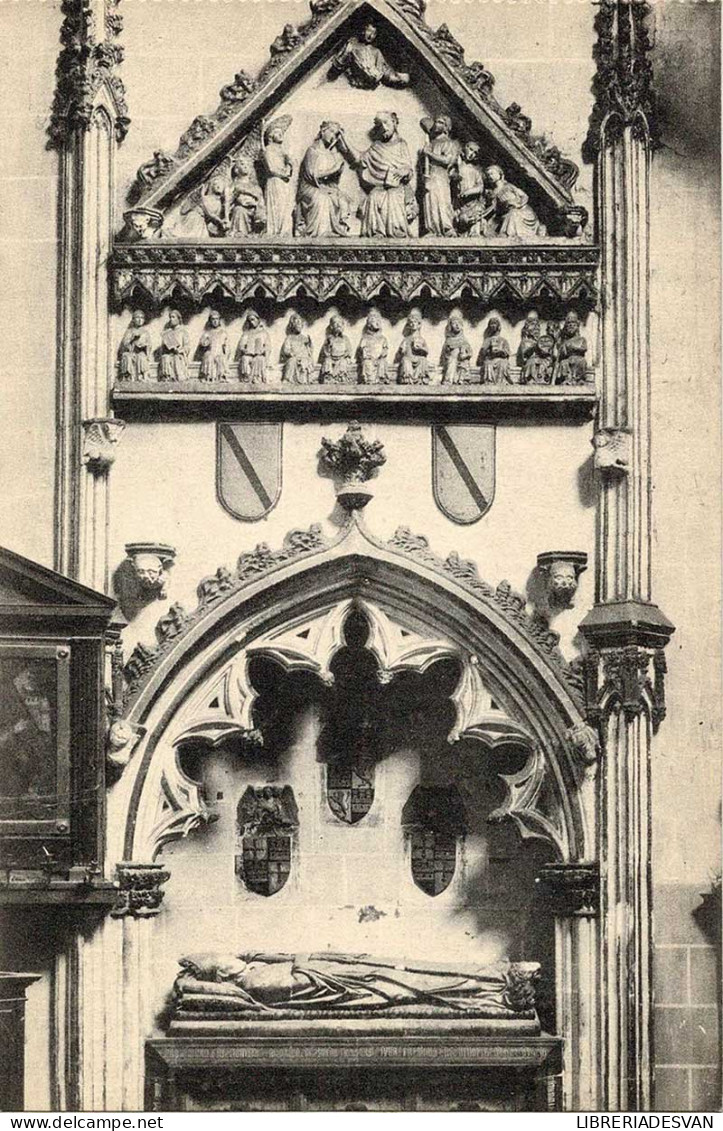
(441, 600)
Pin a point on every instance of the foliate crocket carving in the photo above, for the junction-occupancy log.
(352, 461)
(140, 891)
(623, 83)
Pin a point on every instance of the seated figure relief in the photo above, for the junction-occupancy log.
(364, 64)
(253, 350)
(546, 355)
(296, 355)
(386, 174)
(510, 212)
(373, 351)
(336, 354)
(322, 208)
(246, 212)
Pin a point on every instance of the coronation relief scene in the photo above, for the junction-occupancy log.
(341, 745)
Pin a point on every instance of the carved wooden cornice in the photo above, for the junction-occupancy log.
(87, 60)
(263, 561)
(158, 179)
(562, 272)
(623, 83)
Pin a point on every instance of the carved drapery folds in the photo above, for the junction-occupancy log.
(87, 61)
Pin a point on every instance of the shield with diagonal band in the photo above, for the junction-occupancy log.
(463, 470)
(248, 468)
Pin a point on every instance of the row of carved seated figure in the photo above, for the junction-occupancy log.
(446, 186)
(552, 354)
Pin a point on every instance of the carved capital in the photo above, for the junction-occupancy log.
(139, 890)
(352, 461)
(87, 61)
(633, 675)
(562, 568)
(101, 435)
(150, 562)
(570, 889)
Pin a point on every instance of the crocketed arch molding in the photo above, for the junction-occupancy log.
(440, 601)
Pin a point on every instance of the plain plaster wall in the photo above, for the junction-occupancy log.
(177, 57)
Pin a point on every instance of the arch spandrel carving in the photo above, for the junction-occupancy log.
(509, 684)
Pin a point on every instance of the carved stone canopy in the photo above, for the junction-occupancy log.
(249, 105)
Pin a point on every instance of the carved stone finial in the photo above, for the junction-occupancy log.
(562, 569)
(100, 439)
(612, 451)
(88, 59)
(150, 562)
(139, 890)
(352, 461)
(623, 83)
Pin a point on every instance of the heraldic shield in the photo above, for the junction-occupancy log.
(433, 819)
(267, 819)
(350, 789)
(248, 468)
(463, 470)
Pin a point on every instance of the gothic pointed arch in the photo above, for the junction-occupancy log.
(289, 606)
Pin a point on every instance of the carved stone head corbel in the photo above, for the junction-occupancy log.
(142, 224)
(120, 743)
(562, 569)
(150, 562)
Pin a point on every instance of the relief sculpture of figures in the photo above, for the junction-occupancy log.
(536, 353)
(246, 205)
(212, 205)
(253, 350)
(135, 350)
(214, 350)
(438, 158)
(296, 353)
(413, 353)
(514, 216)
(469, 179)
(385, 172)
(175, 349)
(572, 348)
(322, 208)
(456, 353)
(495, 355)
(373, 351)
(364, 64)
(279, 169)
(336, 354)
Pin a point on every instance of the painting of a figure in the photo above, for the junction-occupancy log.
(28, 738)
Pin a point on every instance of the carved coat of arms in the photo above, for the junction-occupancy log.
(350, 789)
(248, 468)
(463, 470)
(434, 819)
(267, 819)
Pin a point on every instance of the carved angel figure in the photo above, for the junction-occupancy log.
(572, 348)
(468, 177)
(514, 216)
(322, 208)
(373, 351)
(253, 350)
(495, 355)
(278, 168)
(364, 64)
(267, 810)
(214, 350)
(246, 206)
(438, 159)
(385, 172)
(296, 353)
(456, 353)
(135, 350)
(413, 353)
(336, 354)
(175, 349)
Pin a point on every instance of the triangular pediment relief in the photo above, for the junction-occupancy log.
(27, 587)
(409, 69)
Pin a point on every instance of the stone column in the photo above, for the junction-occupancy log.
(572, 894)
(12, 1023)
(625, 631)
(88, 121)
